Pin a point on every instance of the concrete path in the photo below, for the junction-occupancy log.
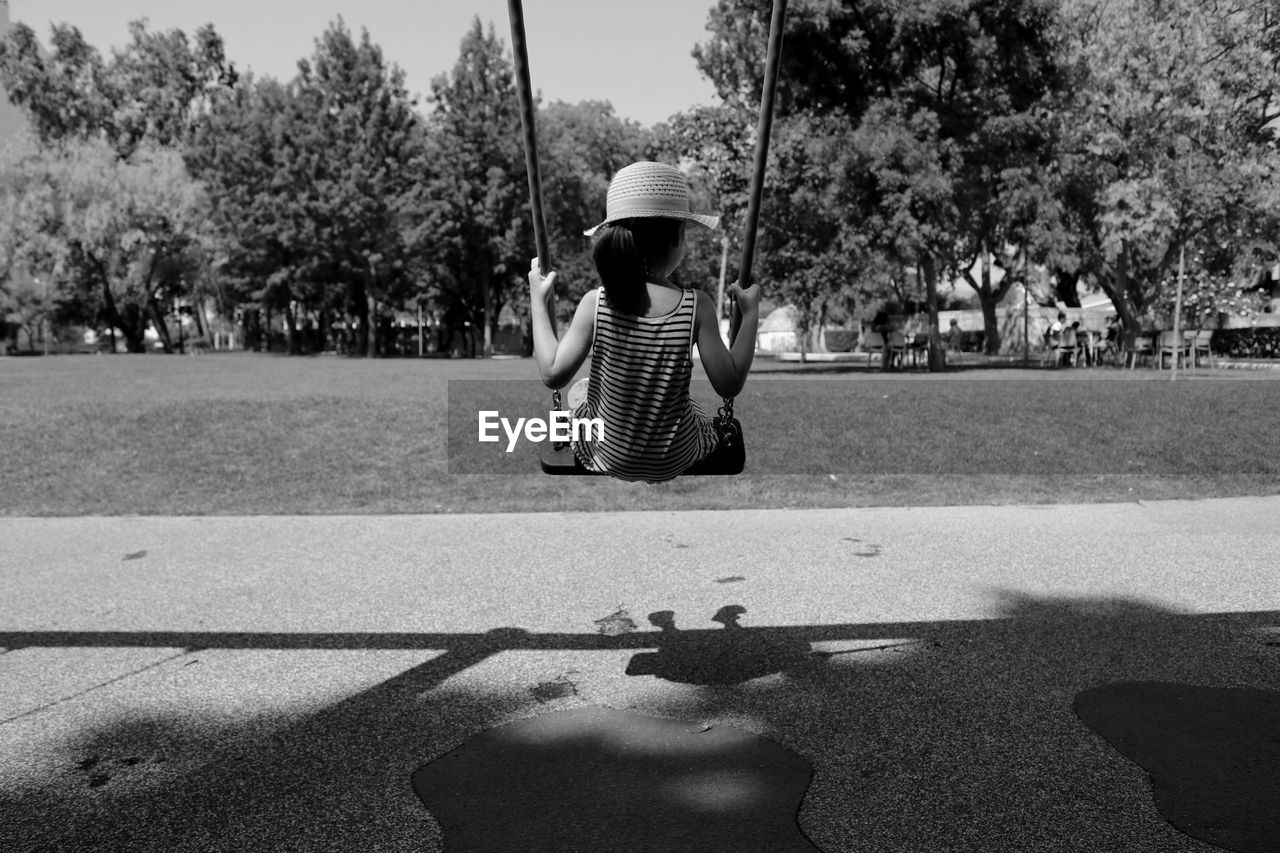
(210, 684)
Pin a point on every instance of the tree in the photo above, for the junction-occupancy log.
(142, 103)
(979, 75)
(121, 237)
(1167, 137)
(810, 250)
(151, 91)
(584, 145)
(478, 189)
(906, 198)
(366, 175)
(716, 148)
(254, 151)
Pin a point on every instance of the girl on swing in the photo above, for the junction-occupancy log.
(640, 330)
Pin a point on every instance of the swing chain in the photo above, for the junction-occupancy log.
(557, 405)
(726, 411)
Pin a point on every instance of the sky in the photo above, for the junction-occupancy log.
(634, 55)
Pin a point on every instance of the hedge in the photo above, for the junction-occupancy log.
(1259, 342)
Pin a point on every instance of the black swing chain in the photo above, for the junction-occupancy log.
(724, 422)
(726, 411)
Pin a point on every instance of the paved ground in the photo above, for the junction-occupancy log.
(174, 684)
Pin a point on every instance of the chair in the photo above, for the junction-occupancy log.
(1178, 347)
(1135, 347)
(897, 349)
(873, 344)
(919, 349)
(1201, 344)
(1106, 348)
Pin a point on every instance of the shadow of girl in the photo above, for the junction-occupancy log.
(731, 656)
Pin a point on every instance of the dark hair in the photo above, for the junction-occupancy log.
(624, 252)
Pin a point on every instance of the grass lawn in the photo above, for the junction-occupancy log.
(254, 434)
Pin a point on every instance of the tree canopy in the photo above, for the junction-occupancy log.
(1100, 140)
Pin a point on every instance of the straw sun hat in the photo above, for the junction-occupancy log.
(648, 189)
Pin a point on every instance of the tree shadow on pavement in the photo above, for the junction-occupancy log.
(941, 735)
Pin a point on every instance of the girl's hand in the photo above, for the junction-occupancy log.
(749, 299)
(540, 287)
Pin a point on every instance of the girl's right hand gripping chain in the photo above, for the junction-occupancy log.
(748, 299)
(540, 287)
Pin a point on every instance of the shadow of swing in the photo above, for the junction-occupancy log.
(730, 656)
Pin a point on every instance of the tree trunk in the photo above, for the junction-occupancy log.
(1120, 297)
(989, 297)
(937, 363)
(109, 308)
(487, 320)
(361, 320)
(371, 339)
(1065, 288)
(133, 324)
(162, 327)
(291, 327)
(990, 325)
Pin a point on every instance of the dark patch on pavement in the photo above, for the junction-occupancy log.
(1212, 753)
(731, 579)
(615, 624)
(600, 779)
(549, 691)
(731, 656)
(98, 771)
(136, 555)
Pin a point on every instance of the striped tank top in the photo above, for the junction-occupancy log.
(639, 389)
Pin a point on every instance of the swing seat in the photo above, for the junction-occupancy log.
(727, 459)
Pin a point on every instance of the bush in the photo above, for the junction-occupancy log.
(1261, 342)
(840, 340)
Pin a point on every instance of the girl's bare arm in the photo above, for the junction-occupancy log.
(727, 368)
(559, 360)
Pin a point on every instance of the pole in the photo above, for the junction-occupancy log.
(1026, 323)
(524, 90)
(44, 317)
(1177, 315)
(772, 62)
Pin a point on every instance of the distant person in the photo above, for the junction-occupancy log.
(882, 326)
(955, 338)
(1054, 332)
(1067, 343)
(1111, 339)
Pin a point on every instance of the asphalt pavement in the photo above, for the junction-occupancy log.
(273, 683)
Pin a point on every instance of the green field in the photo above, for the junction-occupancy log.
(255, 434)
